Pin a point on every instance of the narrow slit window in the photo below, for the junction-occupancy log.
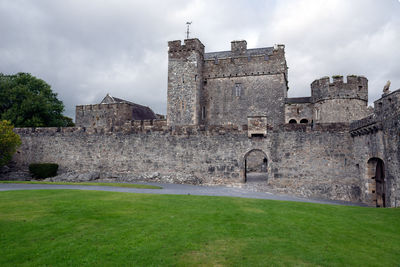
(203, 113)
(238, 89)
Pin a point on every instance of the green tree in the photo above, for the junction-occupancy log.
(27, 101)
(9, 141)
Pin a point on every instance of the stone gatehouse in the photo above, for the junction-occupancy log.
(228, 114)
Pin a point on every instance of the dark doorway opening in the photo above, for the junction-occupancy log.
(256, 166)
(376, 174)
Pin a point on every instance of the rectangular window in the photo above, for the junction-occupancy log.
(238, 89)
(317, 114)
(203, 113)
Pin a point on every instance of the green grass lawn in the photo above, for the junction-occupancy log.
(93, 228)
(141, 186)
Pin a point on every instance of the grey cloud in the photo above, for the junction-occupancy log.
(86, 49)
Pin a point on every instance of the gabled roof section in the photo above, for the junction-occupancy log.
(139, 112)
(108, 100)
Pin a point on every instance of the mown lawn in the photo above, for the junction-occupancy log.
(141, 186)
(92, 228)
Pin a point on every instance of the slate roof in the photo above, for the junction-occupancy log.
(139, 112)
(297, 100)
(249, 52)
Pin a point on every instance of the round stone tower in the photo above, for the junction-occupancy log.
(338, 101)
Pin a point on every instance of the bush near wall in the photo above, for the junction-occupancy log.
(43, 170)
(9, 141)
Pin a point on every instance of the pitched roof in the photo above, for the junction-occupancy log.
(139, 112)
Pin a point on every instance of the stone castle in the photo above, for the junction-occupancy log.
(228, 115)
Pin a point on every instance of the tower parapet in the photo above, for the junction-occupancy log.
(339, 101)
(356, 87)
(176, 48)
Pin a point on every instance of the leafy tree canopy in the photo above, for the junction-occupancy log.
(9, 141)
(27, 101)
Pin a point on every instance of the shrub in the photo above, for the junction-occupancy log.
(43, 170)
(9, 141)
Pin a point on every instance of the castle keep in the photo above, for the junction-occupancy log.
(228, 115)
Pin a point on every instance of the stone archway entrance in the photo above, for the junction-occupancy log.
(377, 181)
(255, 166)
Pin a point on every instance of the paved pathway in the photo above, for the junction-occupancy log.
(177, 189)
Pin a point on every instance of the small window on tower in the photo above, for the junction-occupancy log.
(238, 89)
(317, 114)
(203, 113)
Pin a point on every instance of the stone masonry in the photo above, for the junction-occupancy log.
(228, 112)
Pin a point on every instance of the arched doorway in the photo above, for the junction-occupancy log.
(255, 166)
(377, 183)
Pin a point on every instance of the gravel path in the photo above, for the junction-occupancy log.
(178, 189)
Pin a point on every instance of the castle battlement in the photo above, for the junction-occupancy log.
(144, 127)
(356, 87)
(188, 45)
(94, 107)
(388, 105)
(243, 66)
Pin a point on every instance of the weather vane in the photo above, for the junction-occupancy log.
(187, 29)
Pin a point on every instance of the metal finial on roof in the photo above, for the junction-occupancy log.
(187, 29)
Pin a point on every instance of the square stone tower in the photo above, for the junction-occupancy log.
(185, 80)
(225, 87)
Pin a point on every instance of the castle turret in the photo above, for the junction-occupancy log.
(338, 101)
(185, 64)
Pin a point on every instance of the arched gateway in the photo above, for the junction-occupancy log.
(255, 166)
(376, 181)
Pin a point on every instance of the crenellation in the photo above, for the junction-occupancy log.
(356, 87)
(336, 80)
(339, 101)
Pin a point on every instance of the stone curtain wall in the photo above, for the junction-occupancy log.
(320, 163)
(301, 161)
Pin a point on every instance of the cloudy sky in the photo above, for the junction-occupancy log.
(85, 49)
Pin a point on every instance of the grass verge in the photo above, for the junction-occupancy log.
(141, 186)
(93, 228)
